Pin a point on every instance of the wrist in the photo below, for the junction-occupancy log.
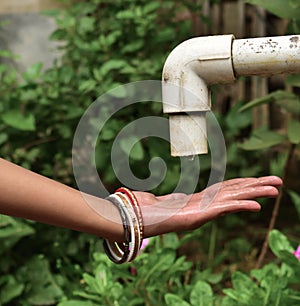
(127, 204)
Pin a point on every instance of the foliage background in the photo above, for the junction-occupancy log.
(105, 44)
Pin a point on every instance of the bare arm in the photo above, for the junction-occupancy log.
(26, 194)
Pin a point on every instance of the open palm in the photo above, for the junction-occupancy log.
(180, 212)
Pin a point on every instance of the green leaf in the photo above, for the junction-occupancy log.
(227, 301)
(11, 231)
(17, 120)
(107, 134)
(43, 289)
(165, 34)
(3, 138)
(293, 80)
(87, 296)
(112, 64)
(293, 131)
(77, 303)
(171, 241)
(235, 121)
(202, 294)
(17, 230)
(10, 290)
(7, 54)
(262, 139)
(33, 72)
(174, 300)
(246, 291)
(261, 274)
(133, 147)
(296, 200)
(281, 8)
(151, 6)
(137, 152)
(213, 278)
(51, 13)
(117, 91)
(290, 259)
(242, 282)
(279, 242)
(87, 85)
(277, 96)
(86, 25)
(133, 46)
(126, 14)
(278, 163)
(74, 112)
(91, 282)
(234, 295)
(58, 34)
(291, 105)
(104, 279)
(164, 263)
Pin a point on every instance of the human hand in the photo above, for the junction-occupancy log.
(180, 212)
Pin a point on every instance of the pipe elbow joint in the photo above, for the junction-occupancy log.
(191, 68)
(199, 62)
(188, 72)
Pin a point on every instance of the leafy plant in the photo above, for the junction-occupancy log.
(105, 44)
(270, 285)
(265, 138)
(160, 276)
(289, 10)
(143, 282)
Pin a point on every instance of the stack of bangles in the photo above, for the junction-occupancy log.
(132, 221)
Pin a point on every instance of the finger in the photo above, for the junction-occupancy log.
(249, 193)
(227, 189)
(224, 208)
(271, 180)
(237, 206)
(251, 181)
(243, 184)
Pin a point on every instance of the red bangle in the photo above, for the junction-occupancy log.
(136, 207)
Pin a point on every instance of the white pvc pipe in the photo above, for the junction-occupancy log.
(188, 133)
(266, 56)
(188, 71)
(191, 67)
(199, 62)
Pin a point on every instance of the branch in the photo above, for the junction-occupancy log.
(265, 246)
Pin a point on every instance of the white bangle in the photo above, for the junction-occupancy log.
(134, 248)
(114, 252)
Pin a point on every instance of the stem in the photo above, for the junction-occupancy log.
(265, 246)
(212, 244)
(39, 141)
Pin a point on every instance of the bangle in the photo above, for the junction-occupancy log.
(136, 208)
(134, 247)
(112, 250)
(131, 216)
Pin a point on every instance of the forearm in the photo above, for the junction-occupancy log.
(26, 194)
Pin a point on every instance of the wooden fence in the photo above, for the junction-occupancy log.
(243, 21)
(246, 21)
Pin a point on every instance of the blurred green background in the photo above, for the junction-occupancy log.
(98, 46)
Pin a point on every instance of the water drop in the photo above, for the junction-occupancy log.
(191, 157)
